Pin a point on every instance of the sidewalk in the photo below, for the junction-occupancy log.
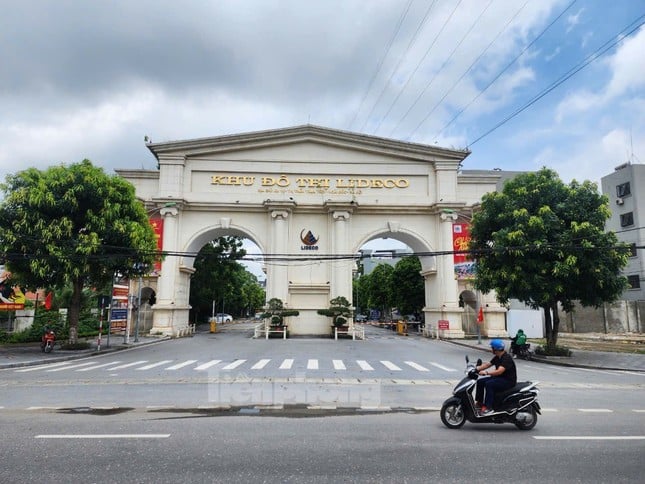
(30, 354)
(580, 358)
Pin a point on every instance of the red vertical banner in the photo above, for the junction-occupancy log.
(464, 266)
(157, 226)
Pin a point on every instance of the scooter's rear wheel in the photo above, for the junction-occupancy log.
(526, 418)
(452, 415)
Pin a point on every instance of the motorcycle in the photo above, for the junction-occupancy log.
(517, 405)
(522, 351)
(47, 341)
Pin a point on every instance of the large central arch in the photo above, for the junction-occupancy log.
(310, 191)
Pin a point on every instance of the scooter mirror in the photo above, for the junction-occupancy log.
(467, 360)
(479, 361)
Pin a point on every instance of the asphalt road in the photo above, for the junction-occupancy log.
(224, 408)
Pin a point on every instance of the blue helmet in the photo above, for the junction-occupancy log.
(497, 344)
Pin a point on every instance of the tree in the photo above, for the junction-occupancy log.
(543, 242)
(215, 277)
(73, 225)
(408, 288)
(339, 311)
(276, 312)
(379, 287)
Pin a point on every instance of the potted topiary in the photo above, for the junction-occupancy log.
(275, 313)
(339, 311)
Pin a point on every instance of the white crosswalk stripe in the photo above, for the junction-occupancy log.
(286, 364)
(441, 367)
(365, 365)
(154, 365)
(390, 366)
(416, 366)
(181, 365)
(61, 368)
(339, 365)
(96, 367)
(232, 366)
(312, 364)
(260, 364)
(128, 365)
(206, 366)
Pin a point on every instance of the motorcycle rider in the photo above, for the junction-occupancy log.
(517, 342)
(503, 377)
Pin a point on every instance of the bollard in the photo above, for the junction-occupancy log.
(213, 326)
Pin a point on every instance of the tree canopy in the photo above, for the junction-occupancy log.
(219, 278)
(73, 225)
(543, 242)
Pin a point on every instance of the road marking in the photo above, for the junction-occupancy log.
(595, 410)
(181, 365)
(312, 364)
(339, 365)
(40, 367)
(61, 368)
(205, 366)
(232, 366)
(260, 364)
(632, 373)
(99, 366)
(589, 437)
(441, 367)
(416, 366)
(286, 364)
(638, 410)
(153, 365)
(128, 365)
(364, 365)
(103, 436)
(390, 366)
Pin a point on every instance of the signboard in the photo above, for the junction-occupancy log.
(464, 266)
(11, 306)
(443, 324)
(119, 309)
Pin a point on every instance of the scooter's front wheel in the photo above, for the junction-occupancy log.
(48, 347)
(452, 414)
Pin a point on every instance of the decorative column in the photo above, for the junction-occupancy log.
(341, 277)
(164, 309)
(449, 302)
(279, 273)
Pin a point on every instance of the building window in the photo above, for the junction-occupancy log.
(634, 282)
(632, 250)
(627, 219)
(623, 190)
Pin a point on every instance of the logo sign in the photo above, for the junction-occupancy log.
(309, 240)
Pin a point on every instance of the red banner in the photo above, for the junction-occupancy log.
(464, 266)
(157, 226)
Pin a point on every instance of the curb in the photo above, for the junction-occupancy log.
(78, 356)
(547, 361)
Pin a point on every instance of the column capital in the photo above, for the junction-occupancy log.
(170, 211)
(449, 216)
(341, 214)
(280, 214)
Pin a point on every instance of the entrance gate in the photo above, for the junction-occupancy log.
(309, 198)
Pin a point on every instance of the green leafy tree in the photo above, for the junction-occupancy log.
(215, 277)
(379, 287)
(408, 289)
(276, 312)
(543, 242)
(73, 225)
(339, 311)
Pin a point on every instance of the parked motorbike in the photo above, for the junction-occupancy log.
(522, 351)
(47, 341)
(517, 405)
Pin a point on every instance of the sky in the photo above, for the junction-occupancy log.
(521, 84)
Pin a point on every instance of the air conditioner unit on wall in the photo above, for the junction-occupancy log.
(619, 201)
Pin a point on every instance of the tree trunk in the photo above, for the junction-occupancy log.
(548, 327)
(556, 323)
(75, 310)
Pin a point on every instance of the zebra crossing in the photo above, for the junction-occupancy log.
(310, 364)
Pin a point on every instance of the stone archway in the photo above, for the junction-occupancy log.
(308, 197)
